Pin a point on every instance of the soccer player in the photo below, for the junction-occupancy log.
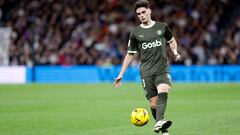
(149, 39)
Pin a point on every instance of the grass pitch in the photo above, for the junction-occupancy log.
(98, 109)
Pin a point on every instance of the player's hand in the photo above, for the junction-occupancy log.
(117, 82)
(177, 56)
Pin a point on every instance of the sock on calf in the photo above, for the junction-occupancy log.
(161, 105)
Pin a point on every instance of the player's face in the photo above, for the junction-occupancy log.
(144, 14)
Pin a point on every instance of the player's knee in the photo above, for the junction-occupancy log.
(163, 88)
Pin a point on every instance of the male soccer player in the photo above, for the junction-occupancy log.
(149, 39)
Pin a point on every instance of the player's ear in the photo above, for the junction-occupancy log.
(149, 10)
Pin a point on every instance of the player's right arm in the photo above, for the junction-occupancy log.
(132, 49)
(127, 60)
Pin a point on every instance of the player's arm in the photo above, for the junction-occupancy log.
(127, 60)
(173, 46)
(172, 42)
(132, 49)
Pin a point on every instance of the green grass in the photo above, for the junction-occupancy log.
(98, 109)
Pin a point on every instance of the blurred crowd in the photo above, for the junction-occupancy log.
(96, 32)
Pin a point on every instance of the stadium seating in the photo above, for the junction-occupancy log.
(78, 32)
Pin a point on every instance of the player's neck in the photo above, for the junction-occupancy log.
(148, 24)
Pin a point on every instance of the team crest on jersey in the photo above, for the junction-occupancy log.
(159, 32)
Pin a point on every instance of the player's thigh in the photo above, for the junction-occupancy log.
(149, 87)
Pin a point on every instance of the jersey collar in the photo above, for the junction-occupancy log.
(148, 26)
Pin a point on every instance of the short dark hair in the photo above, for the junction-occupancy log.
(141, 3)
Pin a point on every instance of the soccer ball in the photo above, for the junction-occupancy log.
(139, 117)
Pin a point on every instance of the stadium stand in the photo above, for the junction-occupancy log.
(95, 32)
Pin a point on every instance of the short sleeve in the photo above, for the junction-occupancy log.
(168, 34)
(132, 44)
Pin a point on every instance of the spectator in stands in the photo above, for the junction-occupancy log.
(76, 32)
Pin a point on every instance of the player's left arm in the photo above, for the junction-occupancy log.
(173, 46)
(172, 42)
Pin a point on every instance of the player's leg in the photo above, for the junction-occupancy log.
(161, 124)
(150, 93)
(153, 105)
(163, 84)
(163, 90)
